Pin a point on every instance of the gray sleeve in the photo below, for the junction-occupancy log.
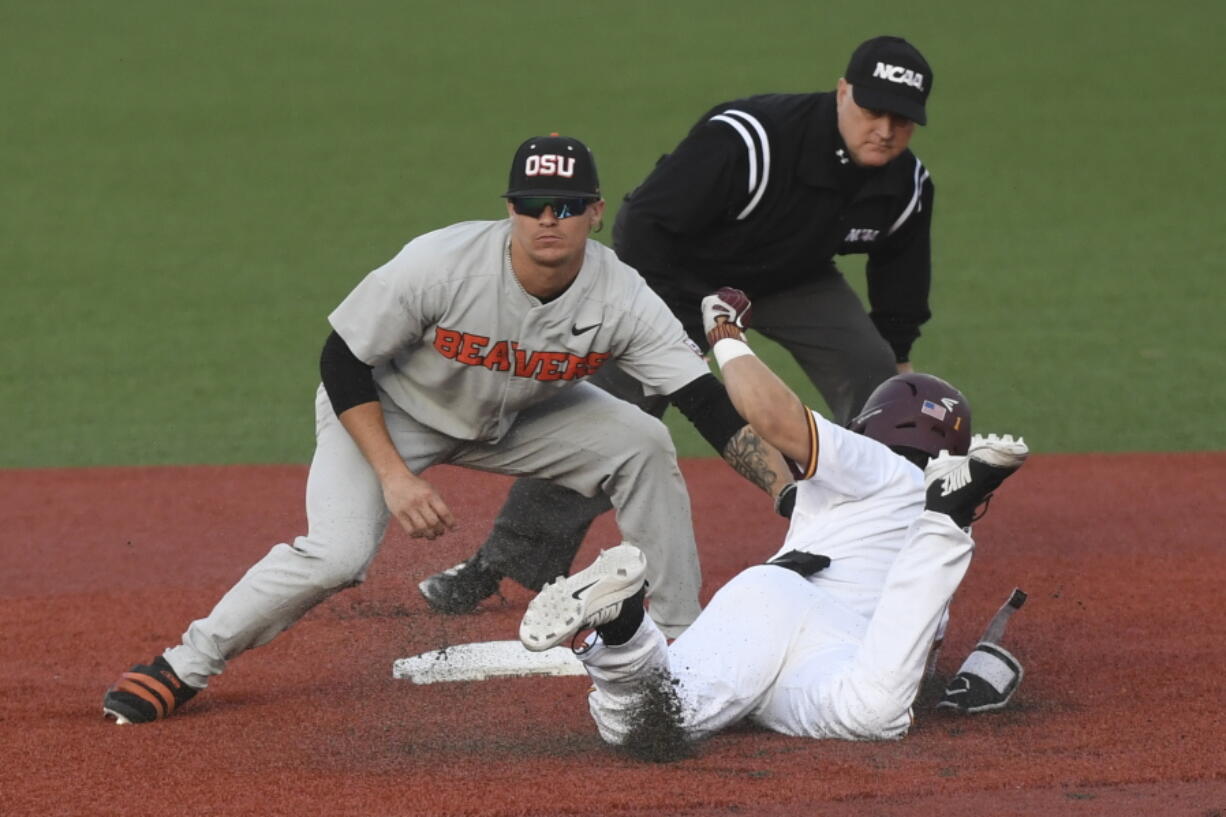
(658, 352)
(386, 312)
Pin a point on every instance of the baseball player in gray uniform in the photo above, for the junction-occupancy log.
(830, 638)
(470, 347)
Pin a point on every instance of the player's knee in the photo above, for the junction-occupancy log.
(329, 567)
(643, 446)
(752, 587)
(756, 578)
(887, 724)
(651, 434)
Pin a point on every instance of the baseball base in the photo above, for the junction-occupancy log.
(485, 659)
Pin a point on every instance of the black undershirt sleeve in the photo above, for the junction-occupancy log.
(705, 403)
(348, 381)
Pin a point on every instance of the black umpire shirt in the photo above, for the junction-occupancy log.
(761, 195)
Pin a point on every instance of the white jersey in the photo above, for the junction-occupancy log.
(458, 344)
(854, 504)
(839, 655)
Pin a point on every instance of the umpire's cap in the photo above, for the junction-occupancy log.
(553, 166)
(890, 74)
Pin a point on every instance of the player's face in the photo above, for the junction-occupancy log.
(872, 137)
(549, 241)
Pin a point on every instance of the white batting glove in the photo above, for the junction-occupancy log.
(730, 304)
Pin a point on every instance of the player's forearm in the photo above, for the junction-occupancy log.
(705, 403)
(774, 412)
(772, 409)
(351, 389)
(757, 461)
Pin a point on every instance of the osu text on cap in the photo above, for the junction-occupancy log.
(549, 164)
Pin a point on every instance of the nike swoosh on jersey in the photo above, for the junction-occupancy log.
(576, 330)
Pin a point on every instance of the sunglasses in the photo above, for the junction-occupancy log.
(533, 206)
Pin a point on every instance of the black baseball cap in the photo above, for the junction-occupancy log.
(890, 74)
(553, 166)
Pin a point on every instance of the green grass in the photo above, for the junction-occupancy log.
(188, 190)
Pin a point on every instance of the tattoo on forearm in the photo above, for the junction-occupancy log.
(751, 457)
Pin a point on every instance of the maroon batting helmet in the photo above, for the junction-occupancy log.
(917, 411)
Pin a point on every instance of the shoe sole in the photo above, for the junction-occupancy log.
(998, 452)
(564, 606)
(118, 717)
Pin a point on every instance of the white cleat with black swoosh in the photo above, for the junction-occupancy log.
(591, 597)
(958, 485)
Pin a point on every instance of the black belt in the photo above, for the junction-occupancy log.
(806, 564)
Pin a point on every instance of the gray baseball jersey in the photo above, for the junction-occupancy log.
(459, 345)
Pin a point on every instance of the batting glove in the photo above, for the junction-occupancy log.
(733, 307)
(986, 681)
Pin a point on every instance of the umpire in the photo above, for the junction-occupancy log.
(765, 191)
(761, 195)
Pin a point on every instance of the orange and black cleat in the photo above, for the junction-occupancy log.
(146, 693)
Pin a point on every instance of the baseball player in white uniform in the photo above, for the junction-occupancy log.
(470, 347)
(830, 638)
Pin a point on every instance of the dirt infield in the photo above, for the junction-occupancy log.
(1119, 712)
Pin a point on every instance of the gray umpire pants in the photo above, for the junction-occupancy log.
(822, 324)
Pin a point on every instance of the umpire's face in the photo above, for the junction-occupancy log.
(873, 138)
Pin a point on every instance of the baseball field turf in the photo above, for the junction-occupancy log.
(189, 189)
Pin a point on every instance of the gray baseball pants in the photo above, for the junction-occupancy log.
(583, 438)
(822, 324)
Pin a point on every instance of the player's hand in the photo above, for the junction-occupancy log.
(418, 507)
(726, 305)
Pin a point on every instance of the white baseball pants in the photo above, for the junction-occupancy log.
(789, 655)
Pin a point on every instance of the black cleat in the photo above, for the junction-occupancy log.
(458, 590)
